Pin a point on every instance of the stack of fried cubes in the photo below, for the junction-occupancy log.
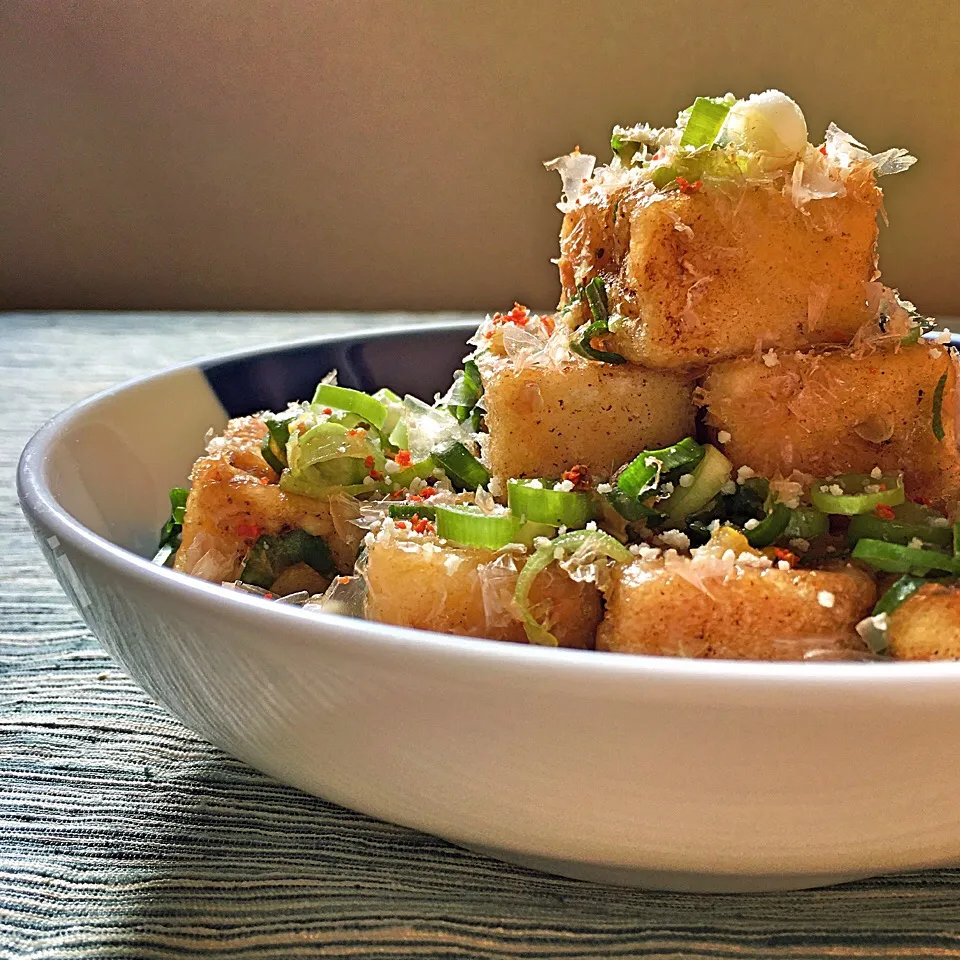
(764, 316)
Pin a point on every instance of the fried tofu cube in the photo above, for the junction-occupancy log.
(826, 413)
(927, 625)
(234, 498)
(543, 419)
(701, 276)
(468, 591)
(690, 608)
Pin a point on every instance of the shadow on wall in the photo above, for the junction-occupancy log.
(388, 155)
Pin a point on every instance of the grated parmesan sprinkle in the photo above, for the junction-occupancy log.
(723, 436)
(826, 599)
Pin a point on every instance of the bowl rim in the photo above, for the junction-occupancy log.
(38, 502)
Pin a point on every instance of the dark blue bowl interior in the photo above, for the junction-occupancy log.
(414, 361)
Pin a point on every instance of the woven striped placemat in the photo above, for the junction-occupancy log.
(122, 834)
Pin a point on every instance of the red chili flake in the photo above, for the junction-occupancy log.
(518, 315)
(597, 343)
(264, 481)
(421, 525)
(403, 458)
(248, 530)
(578, 475)
(328, 410)
(268, 596)
(926, 501)
(376, 475)
(369, 462)
(415, 498)
(428, 492)
(402, 524)
(400, 494)
(883, 512)
(781, 554)
(687, 187)
(342, 580)
(548, 324)
(823, 149)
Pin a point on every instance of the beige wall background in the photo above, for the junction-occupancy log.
(379, 154)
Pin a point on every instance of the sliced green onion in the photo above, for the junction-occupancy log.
(895, 558)
(595, 293)
(560, 508)
(921, 326)
(854, 499)
(806, 523)
(394, 407)
(472, 527)
(900, 590)
(583, 348)
(707, 116)
(370, 410)
(421, 470)
(406, 510)
(602, 543)
(274, 446)
(910, 521)
(462, 468)
(938, 407)
(465, 393)
(633, 510)
(769, 529)
(624, 149)
(172, 530)
(642, 473)
(329, 458)
(272, 554)
(709, 478)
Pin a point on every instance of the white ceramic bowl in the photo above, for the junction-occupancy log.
(668, 773)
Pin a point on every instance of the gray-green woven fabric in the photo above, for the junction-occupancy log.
(122, 834)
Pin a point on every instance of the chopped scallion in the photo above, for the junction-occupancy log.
(643, 473)
(172, 530)
(541, 503)
(601, 543)
(938, 407)
(707, 116)
(895, 558)
(848, 495)
(352, 401)
(709, 477)
(272, 554)
(770, 528)
(901, 590)
(462, 468)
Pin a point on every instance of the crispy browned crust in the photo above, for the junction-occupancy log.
(705, 276)
(814, 412)
(752, 615)
(927, 625)
(234, 497)
(544, 419)
(447, 590)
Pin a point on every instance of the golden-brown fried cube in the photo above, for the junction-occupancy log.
(826, 413)
(543, 419)
(469, 591)
(235, 497)
(748, 613)
(698, 277)
(927, 625)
